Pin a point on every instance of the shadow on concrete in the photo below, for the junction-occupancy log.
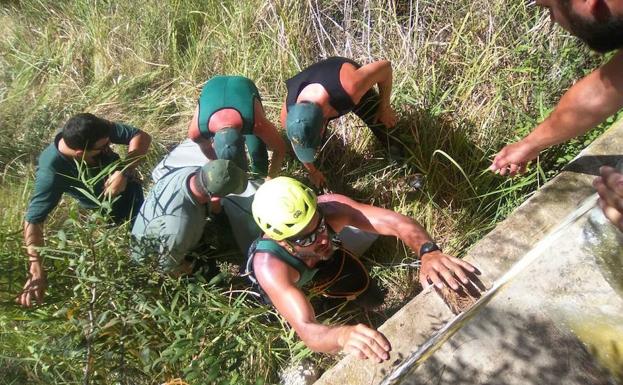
(500, 347)
(590, 164)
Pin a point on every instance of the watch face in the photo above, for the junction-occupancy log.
(428, 247)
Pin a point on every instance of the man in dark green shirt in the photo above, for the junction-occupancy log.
(85, 139)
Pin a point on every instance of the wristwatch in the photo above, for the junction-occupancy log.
(427, 247)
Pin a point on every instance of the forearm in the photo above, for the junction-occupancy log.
(206, 148)
(137, 149)
(570, 119)
(275, 163)
(311, 169)
(385, 85)
(321, 338)
(36, 283)
(412, 234)
(267, 132)
(588, 103)
(33, 239)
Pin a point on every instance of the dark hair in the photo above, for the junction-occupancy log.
(82, 131)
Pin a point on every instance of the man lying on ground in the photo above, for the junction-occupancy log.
(329, 89)
(300, 246)
(599, 23)
(83, 143)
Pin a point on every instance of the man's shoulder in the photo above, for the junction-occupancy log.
(335, 200)
(122, 133)
(176, 174)
(267, 265)
(170, 187)
(51, 158)
(171, 196)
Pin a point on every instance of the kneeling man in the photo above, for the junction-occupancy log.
(171, 221)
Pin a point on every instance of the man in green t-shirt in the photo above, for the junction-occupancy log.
(82, 146)
(169, 227)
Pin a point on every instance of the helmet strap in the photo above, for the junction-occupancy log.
(289, 248)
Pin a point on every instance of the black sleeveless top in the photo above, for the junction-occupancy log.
(327, 74)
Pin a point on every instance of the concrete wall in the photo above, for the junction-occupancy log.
(518, 338)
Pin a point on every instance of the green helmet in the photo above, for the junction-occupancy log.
(283, 206)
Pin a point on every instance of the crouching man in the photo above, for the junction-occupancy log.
(300, 243)
(81, 148)
(170, 225)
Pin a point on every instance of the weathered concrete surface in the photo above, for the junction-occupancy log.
(527, 333)
(521, 337)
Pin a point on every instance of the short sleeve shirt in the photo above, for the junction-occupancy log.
(221, 92)
(170, 223)
(57, 174)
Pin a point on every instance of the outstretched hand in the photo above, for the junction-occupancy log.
(316, 177)
(364, 342)
(513, 158)
(34, 288)
(440, 270)
(609, 186)
(386, 116)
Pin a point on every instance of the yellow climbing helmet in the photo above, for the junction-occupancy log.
(283, 206)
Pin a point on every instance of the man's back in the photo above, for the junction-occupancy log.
(170, 223)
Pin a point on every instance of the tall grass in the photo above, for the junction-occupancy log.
(468, 77)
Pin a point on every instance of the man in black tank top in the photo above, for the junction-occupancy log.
(329, 89)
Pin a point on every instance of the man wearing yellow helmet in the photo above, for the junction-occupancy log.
(299, 235)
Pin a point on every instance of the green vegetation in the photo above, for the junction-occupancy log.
(468, 77)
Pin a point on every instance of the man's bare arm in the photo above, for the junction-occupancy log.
(267, 132)
(347, 211)
(292, 304)
(35, 285)
(437, 268)
(363, 79)
(589, 102)
(137, 149)
(315, 176)
(376, 73)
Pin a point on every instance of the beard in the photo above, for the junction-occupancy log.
(601, 36)
(324, 256)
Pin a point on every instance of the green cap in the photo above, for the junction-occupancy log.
(303, 126)
(221, 177)
(229, 144)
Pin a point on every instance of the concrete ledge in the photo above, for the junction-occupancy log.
(493, 255)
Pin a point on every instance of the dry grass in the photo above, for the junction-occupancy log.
(468, 76)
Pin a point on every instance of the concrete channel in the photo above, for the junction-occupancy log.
(558, 321)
